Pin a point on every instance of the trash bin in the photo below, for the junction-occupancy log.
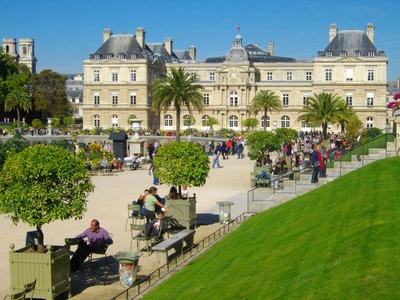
(225, 211)
(128, 262)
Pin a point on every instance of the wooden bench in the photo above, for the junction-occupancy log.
(176, 241)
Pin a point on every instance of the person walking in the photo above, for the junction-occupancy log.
(216, 157)
(317, 163)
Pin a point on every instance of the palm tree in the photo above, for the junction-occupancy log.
(324, 109)
(211, 121)
(265, 101)
(18, 99)
(177, 90)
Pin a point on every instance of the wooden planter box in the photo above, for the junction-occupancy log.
(184, 211)
(50, 269)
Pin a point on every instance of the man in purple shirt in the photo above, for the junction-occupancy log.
(97, 239)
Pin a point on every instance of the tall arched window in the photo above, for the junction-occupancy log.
(187, 121)
(234, 99)
(263, 120)
(114, 121)
(285, 122)
(204, 120)
(96, 121)
(370, 122)
(233, 122)
(168, 121)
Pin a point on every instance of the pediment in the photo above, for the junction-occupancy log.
(114, 60)
(350, 59)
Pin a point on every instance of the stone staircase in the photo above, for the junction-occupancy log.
(265, 198)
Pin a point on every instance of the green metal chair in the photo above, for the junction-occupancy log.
(17, 296)
(30, 288)
(134, 217)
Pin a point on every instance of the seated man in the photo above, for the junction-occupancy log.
(159, 224)
(88, 164)
(97, 237)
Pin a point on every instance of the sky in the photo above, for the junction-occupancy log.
(67, 32)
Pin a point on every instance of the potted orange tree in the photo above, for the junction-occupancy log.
(39, 185)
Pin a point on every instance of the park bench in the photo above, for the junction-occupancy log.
(176, 241)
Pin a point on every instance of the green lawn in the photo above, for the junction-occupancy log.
(340, 241)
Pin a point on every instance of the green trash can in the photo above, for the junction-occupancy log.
(128, 265)
(225, 211)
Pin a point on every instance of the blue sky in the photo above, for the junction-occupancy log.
(67, 32)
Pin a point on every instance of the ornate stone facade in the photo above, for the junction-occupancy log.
(118, 80)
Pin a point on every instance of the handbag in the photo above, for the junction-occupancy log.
(317, 164)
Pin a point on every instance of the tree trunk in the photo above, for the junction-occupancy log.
(18, 117)
(265, 119)
(40, 239)
(178, 124)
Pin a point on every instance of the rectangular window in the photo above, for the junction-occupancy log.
(133, 75)
(96, 98)
(97, 56)
(370, 76)
(328, 54)
(349, 74)
(370, 99)
(269, 76)
(308, 76)
(133, 98)
(285, 99)
(206, 99)
(328, 75)
(349, 99)
(194, 76)
(96, 75)
(289, 76)
(305, 99)
(114, 76)
(357, 54)
(343, 54)
(212, 76)
(114, 98)
(371, 54)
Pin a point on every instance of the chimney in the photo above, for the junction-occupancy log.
(140, 36)
(168, 45)
(192, 51)
(333, 29)
(271, 46)
(107, 33)
(370, 32)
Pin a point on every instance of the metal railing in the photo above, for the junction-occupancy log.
(161, 273)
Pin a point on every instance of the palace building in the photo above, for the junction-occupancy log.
(118, 80)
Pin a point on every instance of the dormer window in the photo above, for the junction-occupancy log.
(343, 53)
(329, 54)
(121, 56)
(134, 56)
(109, 55)
(371, 54)
(357, 53)
(97, 56)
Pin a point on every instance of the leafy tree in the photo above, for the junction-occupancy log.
(14, 145)
(177, 90)
(8, 66)
(55, 122)
(250, 123)
(265, 101)
(49, 95)
(261, 143)
(179, 163)
(373, 132)
(354, 128)
(36, 123)
(68, 120)
(285, 135)
(325, 109)
(42, 184)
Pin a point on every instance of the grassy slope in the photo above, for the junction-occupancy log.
(340, 241)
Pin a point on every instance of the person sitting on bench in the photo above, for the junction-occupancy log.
(97, 237)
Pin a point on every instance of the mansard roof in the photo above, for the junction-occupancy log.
(351, 41)
(120, 43)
